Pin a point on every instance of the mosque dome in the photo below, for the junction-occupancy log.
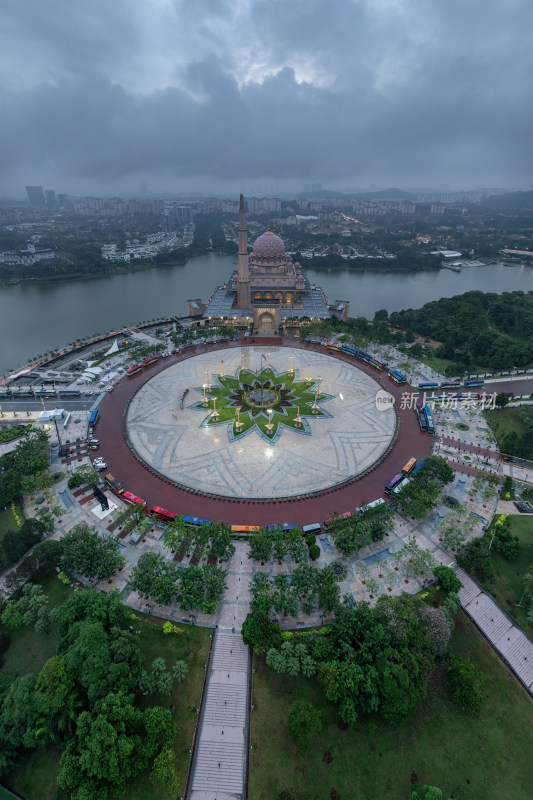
(268, 245)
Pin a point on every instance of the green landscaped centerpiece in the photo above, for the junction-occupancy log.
(265, 402)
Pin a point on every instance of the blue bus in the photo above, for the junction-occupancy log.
(397, 376)
(422, 420)
(429, 418)
(418, 468)
(196, 521)
(475, 382)
(93, 419)
(428, 385)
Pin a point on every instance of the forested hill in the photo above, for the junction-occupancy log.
(510, 200)
(490, 330)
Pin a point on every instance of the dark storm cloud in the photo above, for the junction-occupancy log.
(349, 92)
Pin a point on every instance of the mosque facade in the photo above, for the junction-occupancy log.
(267, 288)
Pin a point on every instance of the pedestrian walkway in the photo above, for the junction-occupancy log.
(508, 639)
(219, 761)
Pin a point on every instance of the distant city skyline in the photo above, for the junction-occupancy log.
(221, 97)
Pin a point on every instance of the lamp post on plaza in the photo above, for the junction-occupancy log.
(298, 419)
(269, 425)
(309, 374)
(222, 373)
(238, 424)
(291, 369)
(205, 398)
(315, 404)
(208, 384)
(215, 413)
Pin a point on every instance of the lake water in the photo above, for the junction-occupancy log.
(37, 317)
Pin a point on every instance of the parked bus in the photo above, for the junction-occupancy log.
(114, 484)
(418, 468)
(428, 385)
(128, 497)
(134, 370)
(196, 521)
(150, 360)
(93, 419)
(397, 376)
(429, 418)
(401, 485)
(315, 528)
(244, 530)
(409, 467)
(398, 478)
(373, 504)
(163, 514)
(422, 419)
(450, 385)
(475, 382)
(335, 347)
(70, 393)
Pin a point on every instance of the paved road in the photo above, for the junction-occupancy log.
(35, 404)
(145, 484)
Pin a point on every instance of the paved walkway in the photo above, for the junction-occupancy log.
(219, 760)
(515, 647)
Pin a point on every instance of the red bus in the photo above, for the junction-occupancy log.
(133, 499)
(162, 514)
(150, 360)
(134, 370)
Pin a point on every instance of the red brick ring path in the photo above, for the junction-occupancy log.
(139, 480)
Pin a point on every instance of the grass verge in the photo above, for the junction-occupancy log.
(506, 585)
(483, 758)
(7, 518)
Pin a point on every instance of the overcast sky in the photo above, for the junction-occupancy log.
(104, 96)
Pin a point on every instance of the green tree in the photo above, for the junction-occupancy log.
(464, 682)
(32, 608)
(303, 720)
(90, 553)
(259, 631)
(447, 578)
(164, 771)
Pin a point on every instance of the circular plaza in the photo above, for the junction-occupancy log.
(257, 422)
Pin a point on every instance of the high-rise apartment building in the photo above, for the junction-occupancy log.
(36, 195)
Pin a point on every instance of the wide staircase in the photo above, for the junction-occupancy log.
(219, 761)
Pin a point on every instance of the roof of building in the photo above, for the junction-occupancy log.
(269, 245)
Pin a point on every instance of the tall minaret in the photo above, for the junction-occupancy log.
(244, 299)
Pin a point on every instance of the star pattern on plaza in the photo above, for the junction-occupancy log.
(265, 402)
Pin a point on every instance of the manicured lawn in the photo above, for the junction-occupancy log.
(484, 758)
(506, 420)
(438, 364)
(7, 519)
(506, 585)
(35, 779)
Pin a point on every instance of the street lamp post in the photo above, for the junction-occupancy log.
(269, 425)
(208, 384)
(298, 419)
(309, 374)
(215, 413)
(205, 398)
(291, 369)
(222, 373)
(238, 424)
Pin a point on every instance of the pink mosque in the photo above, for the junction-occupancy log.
(267, 288)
